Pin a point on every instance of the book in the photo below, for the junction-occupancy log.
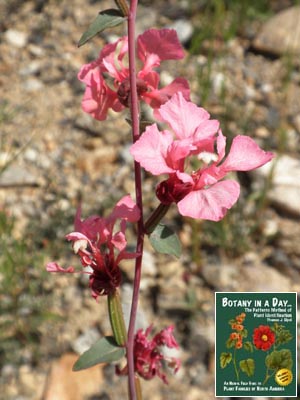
(256, 344)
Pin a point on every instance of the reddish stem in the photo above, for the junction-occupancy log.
(134, 108)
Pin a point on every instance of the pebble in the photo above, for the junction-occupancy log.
(32, 68)
(86, 340)
(15, 175)
(16, 38)
(32, 85)
(184, 29)
(281, 33)
(285, 188)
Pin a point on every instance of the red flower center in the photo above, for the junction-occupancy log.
(124, 90)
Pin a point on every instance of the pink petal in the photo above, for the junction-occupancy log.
(88, 70)
(166, 337)
(126, 209)
(212, 203)
(150, 150)
(206, 130)
(245, 155)
(183, 116)
(157, 97)
(110, 54)
(163, 43)
(74, 236)
(98, 98)
(119, 241)
(54, 267)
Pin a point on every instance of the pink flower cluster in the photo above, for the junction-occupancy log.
(153, 46)
(149, 354)
(196, 140)
(101, 248)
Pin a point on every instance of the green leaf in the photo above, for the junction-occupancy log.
(279, 359)
(225, 359)
(248, 346)
(165, 241)
(230, 343)
(103, 351)
(248, 366)
(105, 19)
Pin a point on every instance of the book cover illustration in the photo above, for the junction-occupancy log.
(256, 344)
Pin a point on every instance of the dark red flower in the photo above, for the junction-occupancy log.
(150, 354)
(263, 337)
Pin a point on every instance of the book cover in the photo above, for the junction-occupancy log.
(256, 344)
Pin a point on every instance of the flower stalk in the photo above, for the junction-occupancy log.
(134, 110)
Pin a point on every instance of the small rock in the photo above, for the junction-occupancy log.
(285, 188)
(184, 30)
(224, 277)
(32, 68)
(281, 33)
(86, 340)
(64, 384)
(32, 85)
(31, 382)
(262, 278)
(15, 175)
(16, 38)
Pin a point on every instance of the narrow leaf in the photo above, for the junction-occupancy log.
(105, 19)
(165, 241)
(103, 351)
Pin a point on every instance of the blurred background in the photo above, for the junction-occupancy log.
(242, 63)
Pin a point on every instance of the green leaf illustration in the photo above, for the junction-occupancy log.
(244, 333)
(283, 337)
(165, 241)
(248, 346)
(230, 343)
(279, 359)
(248, 366)
(225, 359)
(105, 19)
(103, 351)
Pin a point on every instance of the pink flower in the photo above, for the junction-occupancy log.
(200, 194)
(153, 46)
(149, 355)
(100, 247)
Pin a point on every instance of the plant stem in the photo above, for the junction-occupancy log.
(235, 366)
(134, 108)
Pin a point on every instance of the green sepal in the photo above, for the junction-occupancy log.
(165, 241)
(105, 19)
(105, 350)
(116, 318)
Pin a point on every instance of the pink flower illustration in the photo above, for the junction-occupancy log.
(149, 355)
(100, 247)
(102, 93)
(200, 193)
